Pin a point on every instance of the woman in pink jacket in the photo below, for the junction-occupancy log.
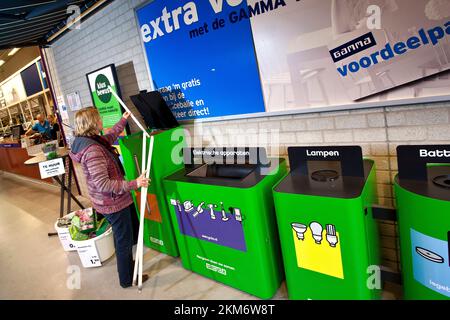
(108, 190)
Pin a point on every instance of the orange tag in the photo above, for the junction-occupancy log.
(152, 203)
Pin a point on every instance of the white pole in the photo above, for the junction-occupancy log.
(141, 213)
(128, 110)
(143, 205)
(145, 165)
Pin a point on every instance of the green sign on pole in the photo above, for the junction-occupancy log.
(107, 105)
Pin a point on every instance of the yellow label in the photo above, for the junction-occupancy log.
(321, 257)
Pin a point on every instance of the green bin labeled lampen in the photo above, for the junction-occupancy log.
(222, 209)
(329, 238)
(422, 190)
(158, 231)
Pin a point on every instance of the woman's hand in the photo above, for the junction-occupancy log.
(142, 181)
(126, 115)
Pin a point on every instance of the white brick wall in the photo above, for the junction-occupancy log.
(350, 122)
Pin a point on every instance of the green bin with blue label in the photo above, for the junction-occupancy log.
(329, 237)
(222, 210)
(166, 158)
(158, 230)
(422, 191)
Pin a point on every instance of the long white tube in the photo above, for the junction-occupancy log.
(141, 213)
(128, 110)
(147, 165)
(143, 205)
(140, 249)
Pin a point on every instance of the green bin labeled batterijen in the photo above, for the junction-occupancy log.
(222, 209)
(329, 238)
(158, 230)
(422, 191)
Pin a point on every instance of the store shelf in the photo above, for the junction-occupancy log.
(34, 96)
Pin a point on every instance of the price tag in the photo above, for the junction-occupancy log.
(66, 240)
(89, 255)
(51, 168)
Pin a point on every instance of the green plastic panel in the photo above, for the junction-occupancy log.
(329, 244)
(243, 251)
(158, 230)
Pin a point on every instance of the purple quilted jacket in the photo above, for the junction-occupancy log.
(108, 190)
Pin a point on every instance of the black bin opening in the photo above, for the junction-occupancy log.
(325, 175)
(224, 171)
(442, 181)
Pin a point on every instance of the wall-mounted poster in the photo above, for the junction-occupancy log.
(74, 101)
(304, 54)
(107, 105)
(13, 90)
(352, 52)
(62, 107)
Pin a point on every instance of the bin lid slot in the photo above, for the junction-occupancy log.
(230, 171)
(193, 157)
(325, 175)
(350, 158)
(442, 181)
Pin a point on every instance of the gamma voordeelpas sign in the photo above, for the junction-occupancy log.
(103, 99)
(378, 62)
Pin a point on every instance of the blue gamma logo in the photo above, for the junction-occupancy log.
(430, 36)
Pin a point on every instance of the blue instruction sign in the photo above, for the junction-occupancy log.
(202, 61)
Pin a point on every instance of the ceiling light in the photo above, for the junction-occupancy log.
(1, 62)
(13, 51)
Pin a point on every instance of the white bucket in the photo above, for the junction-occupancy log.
(64, 236)
(94, 251)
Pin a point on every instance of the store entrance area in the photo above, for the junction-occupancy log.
(38, 268)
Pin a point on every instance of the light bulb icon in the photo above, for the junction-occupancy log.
(300, 229)
(316, 229)
(331, 235)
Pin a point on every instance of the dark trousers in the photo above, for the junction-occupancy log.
(122, 225)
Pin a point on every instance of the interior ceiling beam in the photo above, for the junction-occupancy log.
(21, 45)
(33, 19)
(25, 25)
(23, 38)
(29, 29)
(12, 17)
(21, 4)
(40, 28)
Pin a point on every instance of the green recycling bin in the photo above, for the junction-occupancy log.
(158, 230)
(329, 238)
(422, 191)
(223, 214)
